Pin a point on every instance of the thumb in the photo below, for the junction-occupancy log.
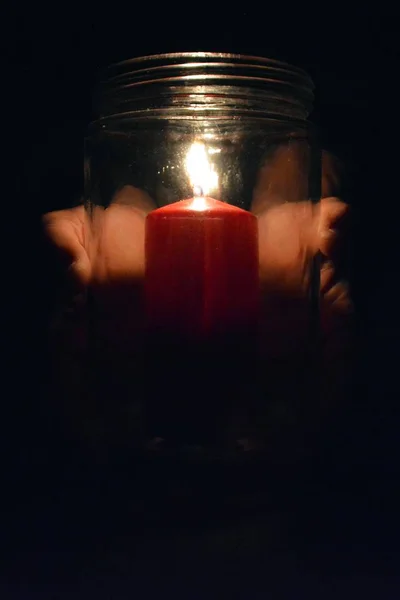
(67, 232)
(333, 217)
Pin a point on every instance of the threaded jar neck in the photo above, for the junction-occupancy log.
(203, 84)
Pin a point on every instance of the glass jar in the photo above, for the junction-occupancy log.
(203, 313)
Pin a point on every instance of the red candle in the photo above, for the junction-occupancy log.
(201, 269)
(202, 291)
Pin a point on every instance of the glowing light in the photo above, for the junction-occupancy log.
(214, 150)
(199, 203)
(201, 171)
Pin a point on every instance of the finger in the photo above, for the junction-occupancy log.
(120, 235)
(65, 230)
(286, 234)
(333, 219)
(119, 265)
(336, 309)
(283, 178)
(334, 292)
(291, 229)
(327, 276)
(333, 212)
(135, 198)
(337, 298)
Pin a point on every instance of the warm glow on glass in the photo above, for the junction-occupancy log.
(201, 171)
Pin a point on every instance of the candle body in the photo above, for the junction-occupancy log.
(202, 297)
(201, 269)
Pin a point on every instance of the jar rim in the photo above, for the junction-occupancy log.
(245, 60)
(212, 55)
(212, 75)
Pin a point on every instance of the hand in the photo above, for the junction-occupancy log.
(291, 233)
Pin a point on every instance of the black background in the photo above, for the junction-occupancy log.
(50, 61)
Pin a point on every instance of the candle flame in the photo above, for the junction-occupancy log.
(201, 171)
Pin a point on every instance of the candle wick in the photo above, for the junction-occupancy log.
(198, 191)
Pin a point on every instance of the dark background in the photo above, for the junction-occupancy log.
(50, 61)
